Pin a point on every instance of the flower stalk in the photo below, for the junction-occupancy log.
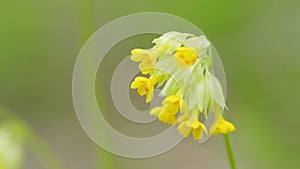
(229, 151)
(181, 65)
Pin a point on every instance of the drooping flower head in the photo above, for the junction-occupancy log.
(181, 65)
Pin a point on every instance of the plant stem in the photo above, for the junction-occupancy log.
(229, 151)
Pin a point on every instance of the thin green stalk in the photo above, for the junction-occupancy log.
(229, 151)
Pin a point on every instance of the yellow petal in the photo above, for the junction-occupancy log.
(203, 128)
(196, 133)
(156, 111)
(171, 99)
(135, 85)
(190, 123)
(180, 63)
(184, 130)
(175, 99)
(224, 127)
(229, 127)
(137, 50)
(150, 94)
(147, 64)
(183, 106)
(138, 82)
(142, 90)
(167, 117)
(215, 132)
(148, 71)
(182, 118)
(185, 57)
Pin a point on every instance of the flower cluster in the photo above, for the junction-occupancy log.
(181, 65)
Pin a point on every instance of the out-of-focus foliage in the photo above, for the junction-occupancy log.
(12, 136)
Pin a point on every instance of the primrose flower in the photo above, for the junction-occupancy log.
(188, 123)
(145, 86)
(223, 127)
(185, 57)
(147, 58)
(170, 107)
(180, 64)
(194, 126)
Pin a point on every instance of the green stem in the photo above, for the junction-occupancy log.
(229, 151)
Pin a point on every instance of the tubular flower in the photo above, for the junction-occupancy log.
(145, 86)
(189, 123)
(185, 57)
(194, 126)
(181, 65)
(170, 107)
(223, 127)
(147, 58)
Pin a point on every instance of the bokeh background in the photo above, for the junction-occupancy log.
(258, 42)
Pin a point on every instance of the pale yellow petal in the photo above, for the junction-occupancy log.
(147, 71)
(134, 85)
(203, 127)
(142, 90)
(180, 63)
(150, 94)
(183, 106)
(182, 118)
(137, 50)
(196, 133)
(184, 130)
(156, 111)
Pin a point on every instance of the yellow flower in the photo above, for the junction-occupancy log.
(196, 126)
(223, 127)
(185, 57)
(170, 107)
(181, 64)
(183, 118)
(140, 83)
(170, 41)
(147, 58)
(145, 86)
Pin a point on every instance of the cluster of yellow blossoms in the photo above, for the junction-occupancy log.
(181, 65)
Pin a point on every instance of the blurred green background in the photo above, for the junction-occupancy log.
(256, 40)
